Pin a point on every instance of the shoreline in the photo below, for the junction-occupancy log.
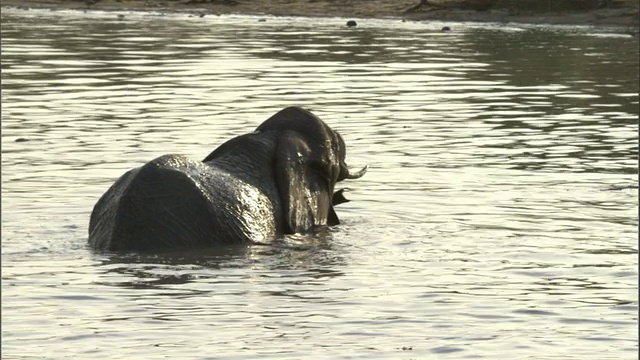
(626, 16)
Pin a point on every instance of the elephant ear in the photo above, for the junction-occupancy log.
(303, 185)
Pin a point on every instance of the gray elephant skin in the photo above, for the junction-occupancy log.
(253, 188)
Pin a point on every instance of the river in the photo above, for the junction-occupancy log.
(498, 219)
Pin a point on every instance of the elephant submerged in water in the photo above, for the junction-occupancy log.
(258, 186)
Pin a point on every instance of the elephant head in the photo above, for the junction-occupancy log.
(309, 161)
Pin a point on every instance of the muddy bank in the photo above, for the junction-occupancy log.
(624, 13)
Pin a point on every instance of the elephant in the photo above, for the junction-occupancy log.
(252, 189)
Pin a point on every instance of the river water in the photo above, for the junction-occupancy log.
(498, 218)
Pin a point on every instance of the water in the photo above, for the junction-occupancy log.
(498, 218)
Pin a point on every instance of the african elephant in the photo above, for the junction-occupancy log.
(253, 188)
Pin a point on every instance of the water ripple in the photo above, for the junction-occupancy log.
(499, 214)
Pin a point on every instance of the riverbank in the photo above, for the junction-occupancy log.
(624, 13)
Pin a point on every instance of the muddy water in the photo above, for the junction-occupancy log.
(498, 218)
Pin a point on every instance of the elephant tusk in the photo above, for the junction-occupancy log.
(358, 174)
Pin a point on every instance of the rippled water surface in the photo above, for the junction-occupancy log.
(498, 218)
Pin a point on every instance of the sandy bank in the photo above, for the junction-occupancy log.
(624, 14)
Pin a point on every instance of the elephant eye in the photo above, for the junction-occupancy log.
(317, 166)
(321, 168)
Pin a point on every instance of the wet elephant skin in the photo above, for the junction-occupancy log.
(277, 180)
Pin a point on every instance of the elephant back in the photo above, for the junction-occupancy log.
(174, 202)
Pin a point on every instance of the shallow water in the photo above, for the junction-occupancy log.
(498, 218)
